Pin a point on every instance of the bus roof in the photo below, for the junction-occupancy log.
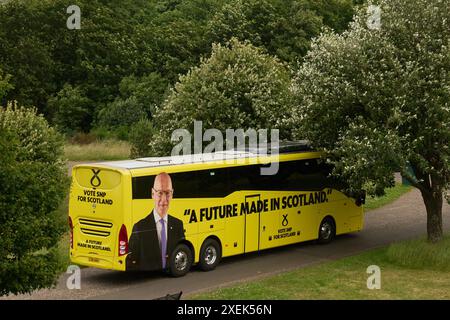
(251, 153)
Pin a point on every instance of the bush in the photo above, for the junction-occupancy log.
(148, 91)
(71, 110)
(5, 86)
(140, 137)
(238, 87)
(121, 113)
(103, 133)
(33, 183)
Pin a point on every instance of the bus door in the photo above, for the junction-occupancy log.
(252, 224)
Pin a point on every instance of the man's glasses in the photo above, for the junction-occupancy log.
(160, 193)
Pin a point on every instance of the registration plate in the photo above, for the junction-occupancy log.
(91, 259)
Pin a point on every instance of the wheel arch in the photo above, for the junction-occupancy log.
(214, 237)
(333, 222)
(329, 216)
(190, 246)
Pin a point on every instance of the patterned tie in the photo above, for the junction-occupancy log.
(163, 243)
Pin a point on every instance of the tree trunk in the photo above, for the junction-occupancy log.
(433, 204)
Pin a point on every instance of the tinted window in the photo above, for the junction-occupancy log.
(291, 176)
(213, 183)
(142, 187)
(184, 185)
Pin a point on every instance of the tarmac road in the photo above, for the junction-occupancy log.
(403, 219)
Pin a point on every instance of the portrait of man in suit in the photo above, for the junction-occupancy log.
(154, 237)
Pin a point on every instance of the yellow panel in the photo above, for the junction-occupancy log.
(94, 177)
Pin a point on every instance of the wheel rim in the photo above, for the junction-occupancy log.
(181, 260)
(210, 255)
(325, 230)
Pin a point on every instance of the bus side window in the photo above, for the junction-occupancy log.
(185, 185)
(308, 167)
(241, 178)
(277, 181)
(310, 175)
(213, 183)
(142, 187)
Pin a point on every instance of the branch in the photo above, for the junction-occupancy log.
(414, 182)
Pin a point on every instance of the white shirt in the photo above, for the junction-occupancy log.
(158, 225)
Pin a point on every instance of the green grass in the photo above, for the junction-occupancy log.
(99, 150)
(391, 195)
(409, 270)
(420, 254)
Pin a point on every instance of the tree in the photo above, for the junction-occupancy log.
(5, 86)
(141, 133)
(239, 86)
(71, 111)
(33, 183)
(139, 97)
(177, 37)
(376, 98)
(284, 27)
(44, 56)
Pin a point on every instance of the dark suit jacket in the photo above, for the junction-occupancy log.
(144, 251)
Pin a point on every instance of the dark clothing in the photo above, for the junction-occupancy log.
(144, 250)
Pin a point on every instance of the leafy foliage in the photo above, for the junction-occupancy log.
(284, 28)
(44, 56)
(237, 87)
(5, 86)
(32, 185)
(378, 98)
(71, 110)
(141, 135)
(139, 44)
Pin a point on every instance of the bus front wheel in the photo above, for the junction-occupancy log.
(327, 230)
(210, 255)
(180, 260)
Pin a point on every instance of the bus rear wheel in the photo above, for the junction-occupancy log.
(210, 255)
(180, 260)
(327, 231)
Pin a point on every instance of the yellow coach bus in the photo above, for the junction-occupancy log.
(172, 212)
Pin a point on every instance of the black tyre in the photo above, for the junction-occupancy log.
(327, 231)
(210, 255)
(180, 261)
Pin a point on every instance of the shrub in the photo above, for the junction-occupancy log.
(121, 113)
(140, 137)
(33, 183)
(239, 86)
(71, 110)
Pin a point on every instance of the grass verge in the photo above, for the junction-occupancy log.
(391, 195)
(99, 150)
(409, 270)
(420, 254)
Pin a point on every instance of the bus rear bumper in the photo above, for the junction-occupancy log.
(101, 262)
